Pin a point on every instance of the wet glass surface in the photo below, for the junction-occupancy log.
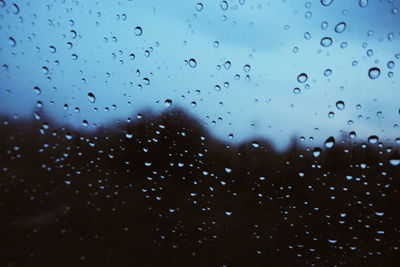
(187, 133)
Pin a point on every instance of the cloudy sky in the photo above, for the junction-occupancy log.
(234, 65)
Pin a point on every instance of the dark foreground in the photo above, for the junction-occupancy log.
(170, 195)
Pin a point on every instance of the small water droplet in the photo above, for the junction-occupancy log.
(199, 7)
(37, 90)
(373, 139)
(330, 142)
(326, 2)
(327, 72)
(374, 72)
(12, 42)
(326, 41)
(192, 63)
(340, 27)
(255, 144)
(340, 105)
(138, 31)
(363, 3)
(168, 103)
(302, 78)
(394, 159)
(91, 97)
(224, 5)
(316, 152)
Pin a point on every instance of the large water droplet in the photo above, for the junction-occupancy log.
(91, 97)
(168, 103)
(330, 142)
(340, 27)
(302, 78)
(394, 159)
(199, 7)
(363, 3)
(138, 31)
(340, 105)
(12, 42)
(316, 152)
(373, 139)
(326, 2)
(192, 63)
(326, 41)
(374, 73)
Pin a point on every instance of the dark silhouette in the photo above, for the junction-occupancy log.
(160, 191)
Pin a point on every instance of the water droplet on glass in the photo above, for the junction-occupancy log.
(373, 139)
(326, 41)
(138, 31)
(199, 7)
(168, 103)
(224, 5)
(37, 90)
(316, 152)
(363, 3)
(374, 72)
(12, 42)
(255, 144)
(326, 2)
(340, 105)
(330, 142)
(302, 78)
(327, 72)
(192, 63)
(91, 97)
(394, 159)
(340, 27)
(15, 9)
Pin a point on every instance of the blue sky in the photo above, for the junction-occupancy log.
(94, 42)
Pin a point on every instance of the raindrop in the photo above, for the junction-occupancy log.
(340, 27)
(255, 144)
(296, 90)
(52, 49)
(316, 152)
(192, 63)
(224, 5)
(363, 3)
(353, 135)
(168, 103)
(340, 105)
(373, 139)
(138, 31)
(326, 41)
(37, 90)
(199, 7)
(302, 78)
(91, 97)
(12, 42)
(390, 64)
(326, 2)
(15, 10)
(327, 72)
(330, 142)
(374, 72)
(394, 160)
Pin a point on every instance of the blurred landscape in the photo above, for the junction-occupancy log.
(161, 191)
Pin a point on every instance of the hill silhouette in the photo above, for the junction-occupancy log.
(161, 191)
